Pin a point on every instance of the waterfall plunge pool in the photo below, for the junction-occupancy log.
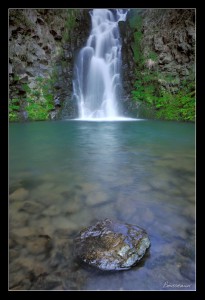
(111, 119)
(64, 176)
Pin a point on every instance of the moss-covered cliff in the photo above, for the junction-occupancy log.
(42, 45)
(159, 52)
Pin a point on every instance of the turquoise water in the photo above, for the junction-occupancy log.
(66, 175)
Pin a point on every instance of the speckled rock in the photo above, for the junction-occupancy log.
(110, 245)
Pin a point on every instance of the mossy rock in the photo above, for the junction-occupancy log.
(110, 245)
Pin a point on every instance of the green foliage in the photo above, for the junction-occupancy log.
(16, 78)
(167, 77)
(14, 108)
(167, 104)
(179, 106)
(134, 19)
(39, 100)
(138, 57)
(153, 56)
(69, 24)
(13, 116)
(37, 111)
(147, 88)
(138, 54)
(26, 88)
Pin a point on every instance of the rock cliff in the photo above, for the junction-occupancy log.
(42, 47)
(43, 44)
(165, 39)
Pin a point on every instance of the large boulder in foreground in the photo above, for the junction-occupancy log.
(110, 245)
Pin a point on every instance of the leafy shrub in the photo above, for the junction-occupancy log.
(38, 101)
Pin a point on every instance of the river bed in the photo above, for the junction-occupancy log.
(66, 175)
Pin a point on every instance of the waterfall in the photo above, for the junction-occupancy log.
(97, 81)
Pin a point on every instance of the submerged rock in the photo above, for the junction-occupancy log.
(110, 245)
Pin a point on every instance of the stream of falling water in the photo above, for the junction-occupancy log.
(97, 82)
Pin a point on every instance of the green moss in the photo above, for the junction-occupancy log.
(135, 19)
(13, 116)
(69, 24)
(168, 105)
(179, 106)
(153, 56)
(14, 108)
(38, 101)
(136, 47)
(148, 89)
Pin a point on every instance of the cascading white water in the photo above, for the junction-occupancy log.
(97, 82)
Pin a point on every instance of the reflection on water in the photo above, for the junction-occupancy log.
(64, 176)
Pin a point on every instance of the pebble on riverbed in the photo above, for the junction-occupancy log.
(110, 245)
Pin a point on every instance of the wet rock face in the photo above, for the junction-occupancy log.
(43, 44)
(167, 45)
(110, 245)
